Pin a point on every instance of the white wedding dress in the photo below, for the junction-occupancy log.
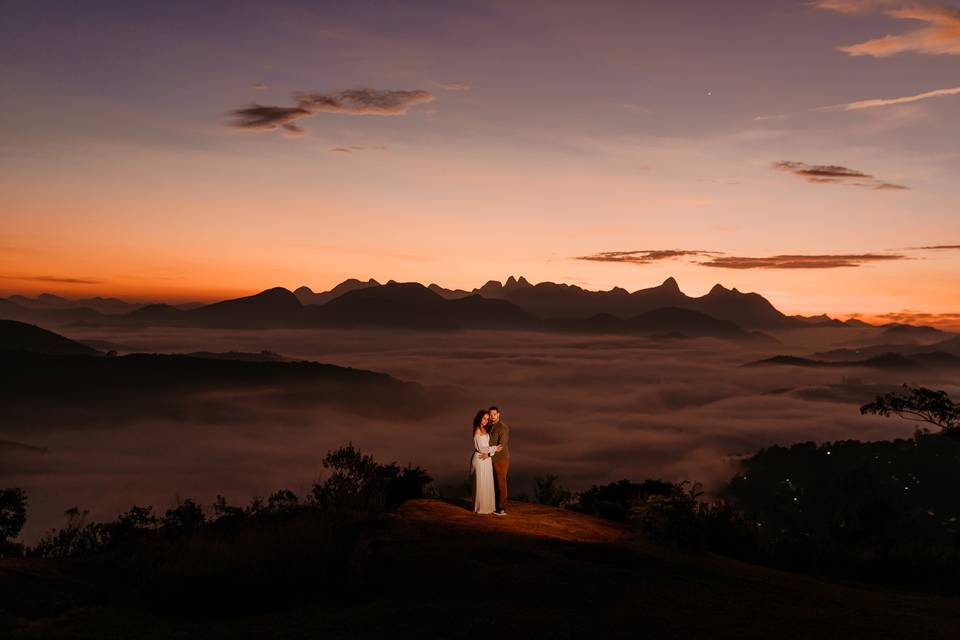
(484, 500)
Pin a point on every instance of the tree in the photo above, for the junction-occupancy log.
(918, 404)
(13, 515)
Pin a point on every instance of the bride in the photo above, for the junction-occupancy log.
(482, 466)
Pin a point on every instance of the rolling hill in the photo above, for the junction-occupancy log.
(20, 336)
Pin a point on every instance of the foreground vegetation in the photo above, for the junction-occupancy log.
(275, 551)
(879, 511)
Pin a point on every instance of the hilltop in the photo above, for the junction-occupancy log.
(434, 569)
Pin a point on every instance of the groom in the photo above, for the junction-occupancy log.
(500, 434)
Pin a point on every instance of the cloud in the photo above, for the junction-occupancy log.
(854, 6)
(56, 279)
(363, 101)
(645, 256)
(358, 147)
(675, 410)
(940, 35)
(883, 102)
(454, 86)
(258, 117)
(631, 107)
(260, 87)
(788, 261)
(940, 246)
(834, 174)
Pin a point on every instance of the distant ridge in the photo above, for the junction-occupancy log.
(520, 304)
(888, 360)
(306, 295)
(552, 300)
(20, 336)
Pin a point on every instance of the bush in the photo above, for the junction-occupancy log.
(613, 501)
(550, 492)
(358, 482)
(185, 518)
(670, 516)
(78, 537)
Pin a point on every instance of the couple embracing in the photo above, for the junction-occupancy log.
(490, 462)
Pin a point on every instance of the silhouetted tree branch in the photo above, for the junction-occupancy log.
(918, 404)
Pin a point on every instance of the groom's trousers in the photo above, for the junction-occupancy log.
(500, 485)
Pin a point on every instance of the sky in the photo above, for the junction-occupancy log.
(805, 150)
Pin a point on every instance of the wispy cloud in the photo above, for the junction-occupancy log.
(454, 86)
(854, 6)
(644, 256)
(834, 174)
(939, 35)
(631, 107)
(358, 147)
(258, 117)
(884, 102)
(788, 261)
(55, 279)
(938, 246)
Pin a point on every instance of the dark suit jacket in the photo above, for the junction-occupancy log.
(500, 434)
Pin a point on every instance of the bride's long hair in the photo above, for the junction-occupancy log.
(478, 420)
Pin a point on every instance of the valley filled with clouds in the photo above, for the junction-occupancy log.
(591, 409)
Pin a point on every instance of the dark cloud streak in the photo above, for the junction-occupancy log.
(258, 117)
(644, 256)
(56, 279)
(834, 174)
(826, 261)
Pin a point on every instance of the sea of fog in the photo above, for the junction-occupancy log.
(588, 409)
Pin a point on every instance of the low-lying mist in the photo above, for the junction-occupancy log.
(589, 409)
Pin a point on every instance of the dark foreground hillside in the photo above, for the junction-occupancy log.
(433, 569)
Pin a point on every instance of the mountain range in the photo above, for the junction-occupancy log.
(514, 304)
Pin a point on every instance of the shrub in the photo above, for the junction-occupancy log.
(13, 515)
(549, 491)
(77, 537)
(185, 518)
(359, 482)
(670, 515)
(613, 501)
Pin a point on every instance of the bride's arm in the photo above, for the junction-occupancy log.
(482, 448)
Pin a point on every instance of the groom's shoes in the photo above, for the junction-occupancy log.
(499, 512)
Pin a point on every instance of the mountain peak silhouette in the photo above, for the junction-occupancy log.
(671, 284)
(307, 296)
